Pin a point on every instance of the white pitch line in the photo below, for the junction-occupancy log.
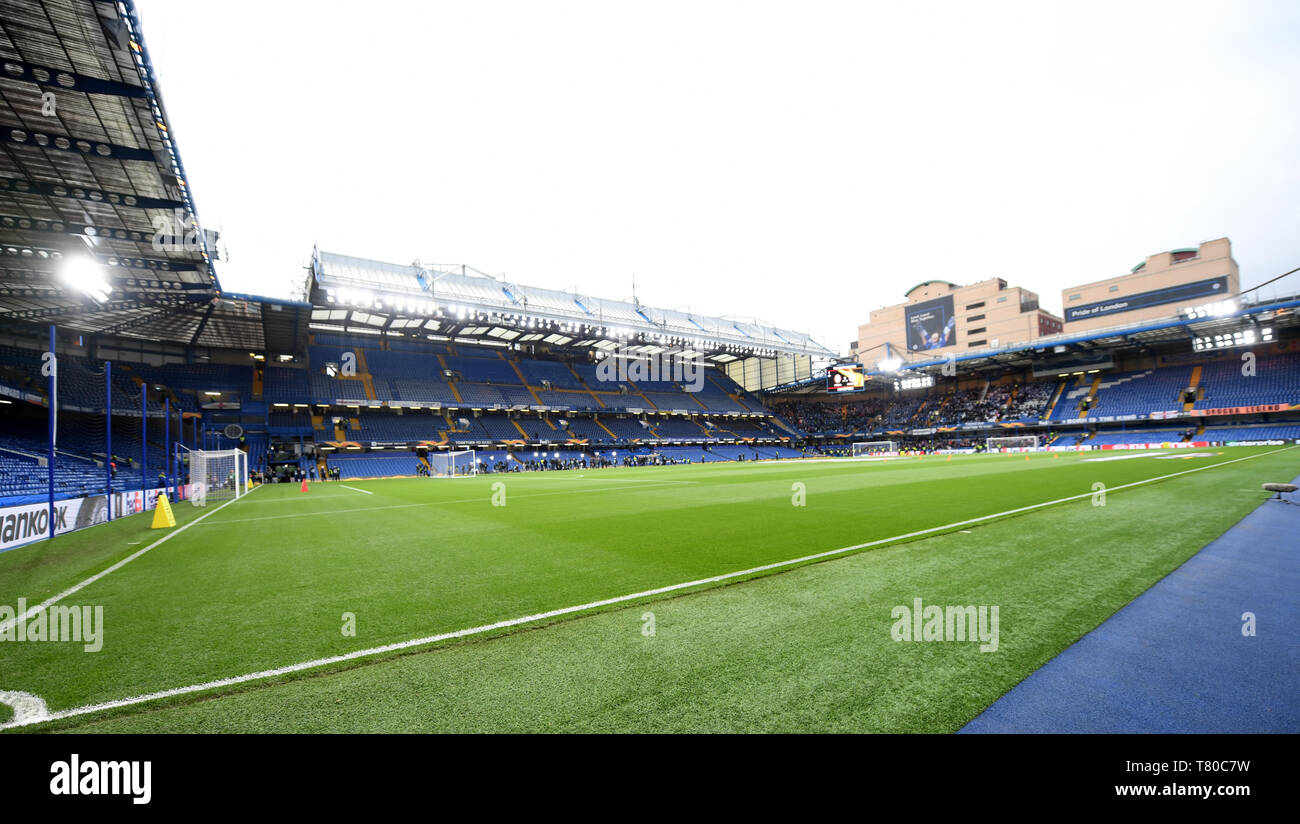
(354, 489)
(555, 613)
(12, 622)
(27, 708)
(605, 480)
(293, 498)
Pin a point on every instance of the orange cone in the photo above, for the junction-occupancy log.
(304, 485)
(1026, 457)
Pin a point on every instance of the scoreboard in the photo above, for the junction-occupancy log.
(846, 377)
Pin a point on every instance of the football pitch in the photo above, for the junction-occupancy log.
(711, 597)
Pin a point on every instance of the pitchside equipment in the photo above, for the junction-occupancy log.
(1016, 443)
(864, 448)
(219, 475)
(452, 464)
(163, 518)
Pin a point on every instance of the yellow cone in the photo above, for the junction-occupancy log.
(162, 514)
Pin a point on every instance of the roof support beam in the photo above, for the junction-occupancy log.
(14, 291)
(203, 324)
(143, 320)
(89, 308)
(62, 227)
(36, 254)
(66, 80)
(23, 186)
(19, 136)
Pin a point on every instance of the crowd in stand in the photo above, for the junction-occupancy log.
(546, 464)
(904, 443)
(1001, 402)
(835, 416)
(286, 473)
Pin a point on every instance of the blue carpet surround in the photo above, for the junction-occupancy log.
(1175, 660)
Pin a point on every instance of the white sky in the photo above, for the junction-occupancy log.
(802, 163)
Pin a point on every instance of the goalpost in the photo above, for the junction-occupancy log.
(864, 448)
(452, 464)
(219, 475)
(1014, 443)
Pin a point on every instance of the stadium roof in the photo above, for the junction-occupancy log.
(355, 294)
(98, 228)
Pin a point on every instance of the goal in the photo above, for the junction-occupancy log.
(452, 464)
(217, 475)
(863, 448)
(1015, 443)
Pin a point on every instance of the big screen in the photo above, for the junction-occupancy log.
(931, 325)
(846, 377)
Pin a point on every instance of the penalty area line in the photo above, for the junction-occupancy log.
(557, 613)
(354, 489)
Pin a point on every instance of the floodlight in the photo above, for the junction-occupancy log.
(84, 274)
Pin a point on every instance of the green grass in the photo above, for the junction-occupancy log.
(264, 583)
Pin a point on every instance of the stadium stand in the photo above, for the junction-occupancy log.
(1139, 436)
(485, 397)
(1140, 393)
(1275, 380)
(1248, 432)
(374, 465)
(284, 384)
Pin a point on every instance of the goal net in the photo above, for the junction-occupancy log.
(452, 464)
(217, 475)
(863, 448)
(1016, 443)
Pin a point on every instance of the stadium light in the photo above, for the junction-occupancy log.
(87, 276)
(1211, 310)
(1228, 340)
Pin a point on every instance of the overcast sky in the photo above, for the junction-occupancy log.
(802, 163)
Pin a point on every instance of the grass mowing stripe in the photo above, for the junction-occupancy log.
(12, 622)
(299, 498)
(555, 613)
(433, 503)
(806, 650)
